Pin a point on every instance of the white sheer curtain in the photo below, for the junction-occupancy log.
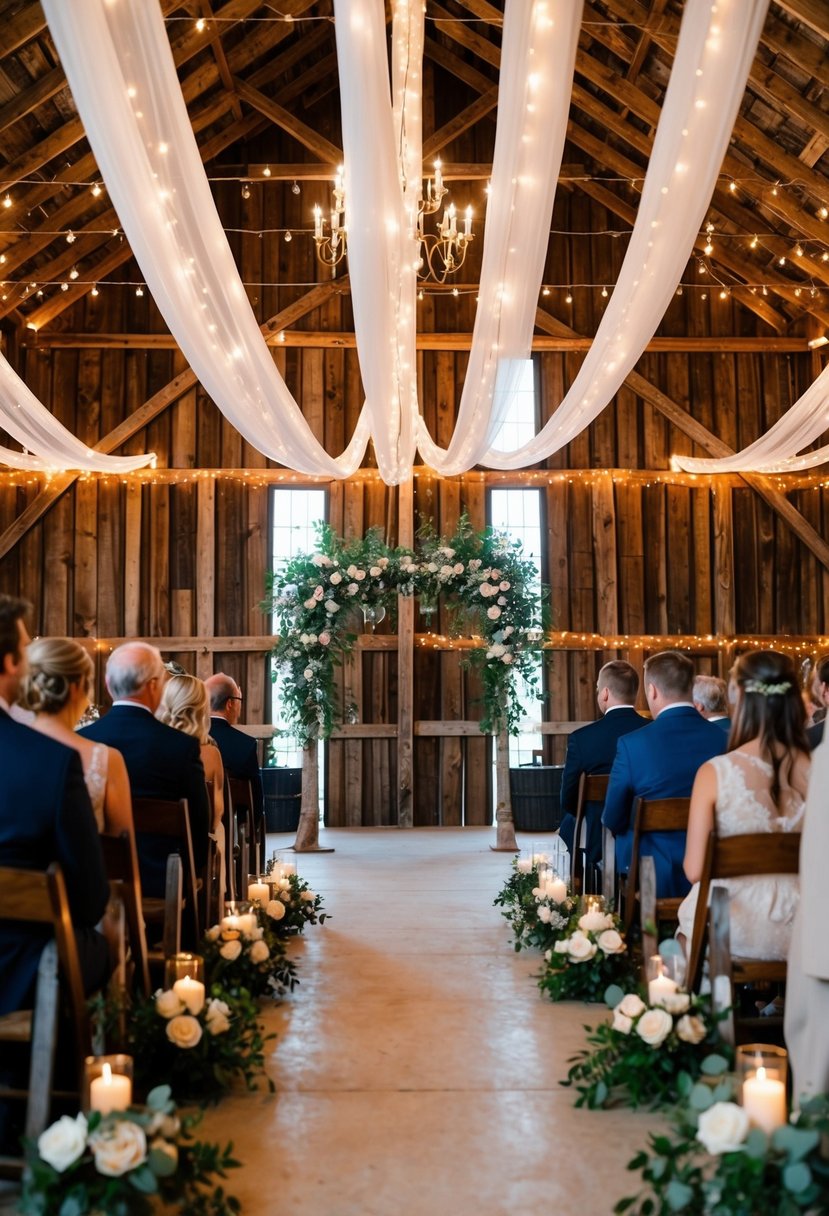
(714, 53)
(49, 446)
(775, 452)
(380, 145)
(536, 79)
(118, 62)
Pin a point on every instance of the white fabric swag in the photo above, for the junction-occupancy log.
(120, 68)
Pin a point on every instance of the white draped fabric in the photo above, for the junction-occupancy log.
(120, 68)
(714, 53)
(536, 79)
(775, 452)
(49, 446)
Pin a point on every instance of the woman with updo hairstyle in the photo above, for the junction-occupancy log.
(186, 707)
(759, 785)
(56, 689)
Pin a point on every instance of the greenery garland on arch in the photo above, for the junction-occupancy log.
(490, 588)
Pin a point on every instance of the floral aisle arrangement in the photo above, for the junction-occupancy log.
(648, 1054)
(590, 956)
(535, 904)
(294, 905)
(714, 1161)
(246, 954)
(123, 1164)
(200, 1043)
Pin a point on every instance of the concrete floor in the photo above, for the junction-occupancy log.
(416, 1066)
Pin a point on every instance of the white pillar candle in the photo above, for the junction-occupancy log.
(288, 868)
(247, 923)
(557, 890)
(258, 891)
(659, 988)
(191, 994)
(109, 1092)
(764, 1101)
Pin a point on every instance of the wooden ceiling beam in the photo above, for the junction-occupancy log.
(22, 28)
(41, 90)
(315, 143)
(811, 12)
(150, 410)
(215, 39)
(456, 126)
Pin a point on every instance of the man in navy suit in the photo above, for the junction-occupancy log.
(661, 761)
(710, 697)
(592, 749)
(161, 762)
(45, 817)
(238, 750)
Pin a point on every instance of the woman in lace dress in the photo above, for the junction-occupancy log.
(759, 785)
(186, 707)
(56, 688)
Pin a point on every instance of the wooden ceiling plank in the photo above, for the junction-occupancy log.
(457, 30)
(456, 126)
(21, 28)
(315, 143)
(811, 12)
(40, 91)
(441, 55)
(216, 47)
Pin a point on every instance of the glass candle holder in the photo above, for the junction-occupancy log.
(184, 975)
(259, 889)
(592, 903)
(107, 1083)
(762, 1069)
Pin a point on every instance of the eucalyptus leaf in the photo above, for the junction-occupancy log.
(756, 1143)
(797, 1177)
(670, 947)
(144, 1180)
(678, 1195)
(613, 995)
(158, 1099)
(162, 1164)
(700, 1098)
(796, 1142)
(600, 1096)
(714, 1065)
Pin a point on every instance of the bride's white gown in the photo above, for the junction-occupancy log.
(762, 909)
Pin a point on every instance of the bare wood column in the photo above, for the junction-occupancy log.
(405, 670)
(205, 572)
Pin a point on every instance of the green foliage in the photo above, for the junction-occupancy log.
(570, 975)
(521, 911)
(302, 907)
(270, 976)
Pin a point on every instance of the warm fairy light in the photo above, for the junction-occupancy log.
(73, 273)
(7, 201)
(94, 291)
(139, 291)
(96, 191)
(200, 25)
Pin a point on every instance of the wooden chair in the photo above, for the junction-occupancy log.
(754, 855)
(248, 851)
(121, 863)
(592, 788)
(34, 897)
(653, 815)
(171, 819)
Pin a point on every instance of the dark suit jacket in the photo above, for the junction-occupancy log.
(161, 763)
(592, 749)
(659, 762)
(815, 734)
(240, 758)
(723, 723)
(45, 816)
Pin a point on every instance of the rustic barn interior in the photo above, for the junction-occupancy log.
(637, 556)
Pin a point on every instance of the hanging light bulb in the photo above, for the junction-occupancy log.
(73, 273)
(288, 237)
(96, 191)
(64, 286)
(200, 25)
(798, 250)
(246, 191)
(94, 291)
(753, 243)
(568, 299)
(266, 172)
(139, 291)
(7, 201)
(70, 237)
(604, 293)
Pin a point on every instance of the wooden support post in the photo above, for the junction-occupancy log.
(505, 841)
(308, 832)
(405, 671)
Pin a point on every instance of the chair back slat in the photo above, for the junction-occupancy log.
(121, 864)
(592, 788)
(650, 815)
(160, 817)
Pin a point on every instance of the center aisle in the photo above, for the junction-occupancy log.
(417, 1066)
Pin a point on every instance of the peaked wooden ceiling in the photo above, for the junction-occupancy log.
(249, 69)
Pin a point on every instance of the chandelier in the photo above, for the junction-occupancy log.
(441, 253)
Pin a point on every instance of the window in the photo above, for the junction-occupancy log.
(519, 425)
(295, 514)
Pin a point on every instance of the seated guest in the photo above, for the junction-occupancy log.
(759, 786)
(710, 696)
(161, 762)
(660, 761)
(56, 688)
(592, 750)
(820, 696)
(185, 707)
(45, 817)
(239, 751)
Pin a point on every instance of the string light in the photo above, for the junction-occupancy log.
(73, 273)
(139, 291)
(246, 191)
(96, 191)
(95, 291)
(7, 201)
(200, 25)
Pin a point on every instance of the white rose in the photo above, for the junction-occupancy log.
(544, 914)
(213, 933)
(360, 575)
(168, 1004)
(311, 603)
(318, 559)
(505, 586)
(275, 909)
(580, 948)
(259, 952)
(375, 571)
(610, 942)
(654, 1027)
(723, 1128)
(308, 673)
(165, 1125)
(446, 571)
(63, 1143)
(351, 571)
(524, 865)
(595, 922)
(352, 588)
(548, 955)
(675, 1002)
(506, 658)
(560, 947)
(284, 884)
(631, 1005)
(308, 896)
(324, 638)
(336, 578)
(184, 1030)
(621, 1022)
(218, 1017)
(494, 612)
(119, 1148)
(502, 599)
(231, 950)
(331, 607)
(457, 568)
(285, 896)
(691, 1029)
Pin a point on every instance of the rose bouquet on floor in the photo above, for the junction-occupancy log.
(715, 1162)
(648, 1055)
(535, 904)
(589, 956)
(245, 953)
(122, 1164)
(294, 904)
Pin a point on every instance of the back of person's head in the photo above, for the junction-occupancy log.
(712, 694)
(820, 681)
(184, 706)
(12, 610)
(131, 667)
(220, 689)
(671, 673)
(621, 680)
(769, 709)
(55, 664)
